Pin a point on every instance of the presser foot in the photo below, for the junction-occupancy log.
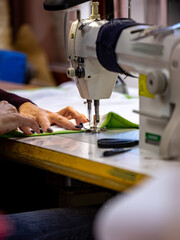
(95, 130)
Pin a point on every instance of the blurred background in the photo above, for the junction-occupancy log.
(27, 28)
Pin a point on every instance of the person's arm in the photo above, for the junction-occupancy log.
(13, 99)
(43, 117)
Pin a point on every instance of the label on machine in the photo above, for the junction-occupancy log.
(143, 90)
(152, 138)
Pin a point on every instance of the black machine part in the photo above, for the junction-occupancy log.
(54, 5)
(117, 143)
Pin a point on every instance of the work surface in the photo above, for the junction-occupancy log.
(78, 156)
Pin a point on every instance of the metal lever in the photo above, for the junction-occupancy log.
(129, 8)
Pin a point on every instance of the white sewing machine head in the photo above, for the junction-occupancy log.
(151, 52)
(94, 82)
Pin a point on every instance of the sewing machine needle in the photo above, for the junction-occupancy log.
(89, 111)
(96, 117)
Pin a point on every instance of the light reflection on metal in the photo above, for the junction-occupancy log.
(129, 8)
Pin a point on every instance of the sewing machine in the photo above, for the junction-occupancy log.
(152, 53)
(90, 76)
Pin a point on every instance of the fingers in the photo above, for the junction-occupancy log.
(44, 122)
(26, 130)
(41, 116)
(46, 118)
(26, 124)
(71, 113)
(64, 122)
(82, 119)
(10, 121)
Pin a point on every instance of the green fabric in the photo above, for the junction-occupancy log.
(112, 121)
(115, 121)
(15, 133)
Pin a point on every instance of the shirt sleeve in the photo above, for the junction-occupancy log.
(13, 99)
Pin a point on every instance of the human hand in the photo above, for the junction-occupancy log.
(10, 119)
(46, 118)
(71, 113)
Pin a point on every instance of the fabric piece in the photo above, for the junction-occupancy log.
(55, 98)
(115, 121)
(110, 121)
(16, 133)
